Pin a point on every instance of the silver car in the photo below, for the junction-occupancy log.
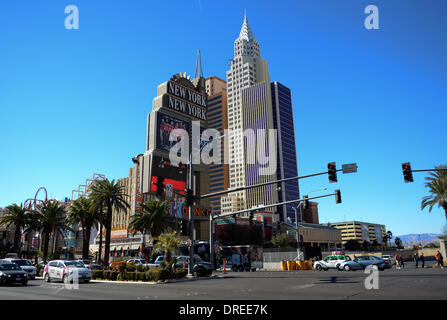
(361, 262)
(61, 270)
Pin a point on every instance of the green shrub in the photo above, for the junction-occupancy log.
(116, 263)
(106, 274)
(180, 273)
(114, 275)
(130, 267)
(130, 276)
(97, 274)
(122, 266)
(158, 273)
(140, 276)
(140, 268)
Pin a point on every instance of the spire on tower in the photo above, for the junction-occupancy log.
(199, 72)
(246, 32)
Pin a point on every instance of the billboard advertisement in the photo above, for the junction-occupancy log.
(365, 232)
(165, 125)
(378, 233)
(173, 174)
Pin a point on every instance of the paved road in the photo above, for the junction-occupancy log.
(409, 283)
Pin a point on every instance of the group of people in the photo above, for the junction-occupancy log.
(416, 258)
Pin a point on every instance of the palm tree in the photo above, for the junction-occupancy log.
(167, 243)
(16, 216)
(83, 213)
(388, 237)
(52, 220)
(110, 195)
(437, 185)
(152, 218)
(398, 243)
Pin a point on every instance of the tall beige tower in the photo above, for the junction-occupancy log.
(247, 70)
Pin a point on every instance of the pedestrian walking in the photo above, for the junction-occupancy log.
(396, 258)
(401, 262)
(422, 258)
(440, 260)
(416, 259)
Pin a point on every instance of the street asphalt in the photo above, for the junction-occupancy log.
(409, 283)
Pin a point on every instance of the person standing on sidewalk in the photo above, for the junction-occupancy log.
(396, 258)
(422, 258)
(401, 262)
(416, 259)
(439, 259)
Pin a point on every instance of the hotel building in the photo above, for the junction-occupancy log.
(360, 231)
(255, 105)
(217, 119)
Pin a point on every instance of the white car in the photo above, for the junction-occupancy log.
(25, 265)
(389, 258)
(331, 262)
(137, 261)
(61, 270)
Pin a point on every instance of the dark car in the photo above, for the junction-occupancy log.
(12, 273)
(25, 265)
(199, 264)
(95, 267)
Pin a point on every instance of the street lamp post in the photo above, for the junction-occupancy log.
(191, 209)
(298, 242)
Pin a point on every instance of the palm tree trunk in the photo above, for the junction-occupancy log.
(17, 240)
(86, 242)
(108, 234)
(46, 243)
(100, 237)
(54, 242)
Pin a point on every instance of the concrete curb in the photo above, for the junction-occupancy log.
(151, 282)
(158, 282)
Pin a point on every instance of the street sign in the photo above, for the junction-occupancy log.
(169, 190)
(225, 221)
(349, 168)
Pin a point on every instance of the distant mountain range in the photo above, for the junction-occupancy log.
(424, 238)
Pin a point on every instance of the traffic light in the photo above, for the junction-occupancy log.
(160, 186)
(252, 214)
(306, 202)
(406, 169)
(189, 197)
(184, 228)
(332, 171)
(337, 196)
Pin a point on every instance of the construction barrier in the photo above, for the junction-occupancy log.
(309, 265)
(296, 265)
(291, 265)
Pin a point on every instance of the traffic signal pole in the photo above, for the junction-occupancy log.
(273, 205)
(259, 185)
(191, 219)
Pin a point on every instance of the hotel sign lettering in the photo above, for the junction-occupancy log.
(185, 100)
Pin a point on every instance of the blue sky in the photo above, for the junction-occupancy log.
(74, 102)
